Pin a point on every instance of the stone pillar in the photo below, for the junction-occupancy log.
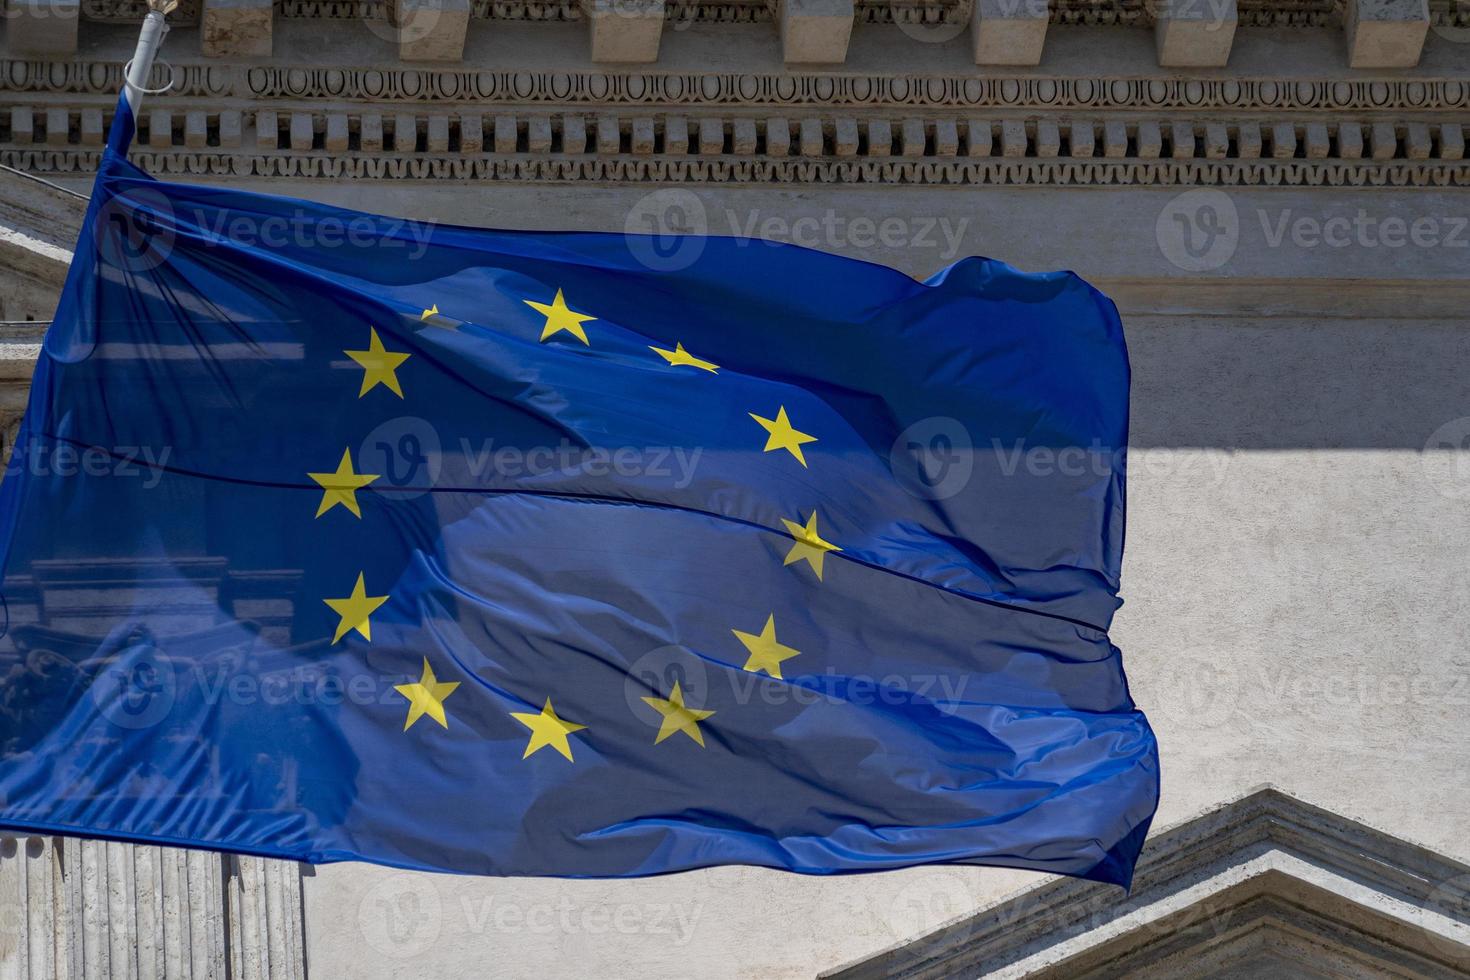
(33, 923)
(138, 910)
(75, 909)
(267, 941)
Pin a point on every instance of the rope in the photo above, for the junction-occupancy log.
(43, 180)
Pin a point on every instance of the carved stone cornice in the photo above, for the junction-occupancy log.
(938, 91)
(268, 120)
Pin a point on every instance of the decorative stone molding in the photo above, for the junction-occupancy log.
(450, 122)
(132, 11)
(1265, 880)
(84, 908)
(811, 144)
(795, 171)
(1092, 13)
(937, 91)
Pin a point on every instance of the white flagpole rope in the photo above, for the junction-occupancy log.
(141, 66)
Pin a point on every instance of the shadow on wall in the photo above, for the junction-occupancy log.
(1232, 383)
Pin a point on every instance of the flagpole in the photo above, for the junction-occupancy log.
(150, 38)
(75, 316)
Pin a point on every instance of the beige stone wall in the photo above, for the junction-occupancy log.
(1286, 236)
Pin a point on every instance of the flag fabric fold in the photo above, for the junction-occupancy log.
(332, 536)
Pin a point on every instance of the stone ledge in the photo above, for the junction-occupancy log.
(1385, 904)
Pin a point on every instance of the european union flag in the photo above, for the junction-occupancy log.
(330, 536)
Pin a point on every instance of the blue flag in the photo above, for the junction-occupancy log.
(330, 536)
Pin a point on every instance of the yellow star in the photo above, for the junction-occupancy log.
(677, 717)
(341, 487)
(547, 729)
(378, 365)
(765, 652)
(783, 436)
(679, 356)
(431, 311)
(809, 545)
(426, 697)
(355, 610)
(560, 317)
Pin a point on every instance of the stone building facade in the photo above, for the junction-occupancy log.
(1274, 192)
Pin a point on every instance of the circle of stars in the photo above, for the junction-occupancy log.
(547, 729)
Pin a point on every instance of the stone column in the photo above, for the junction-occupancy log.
(82, 909)
(33, 919)
(267, 941)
